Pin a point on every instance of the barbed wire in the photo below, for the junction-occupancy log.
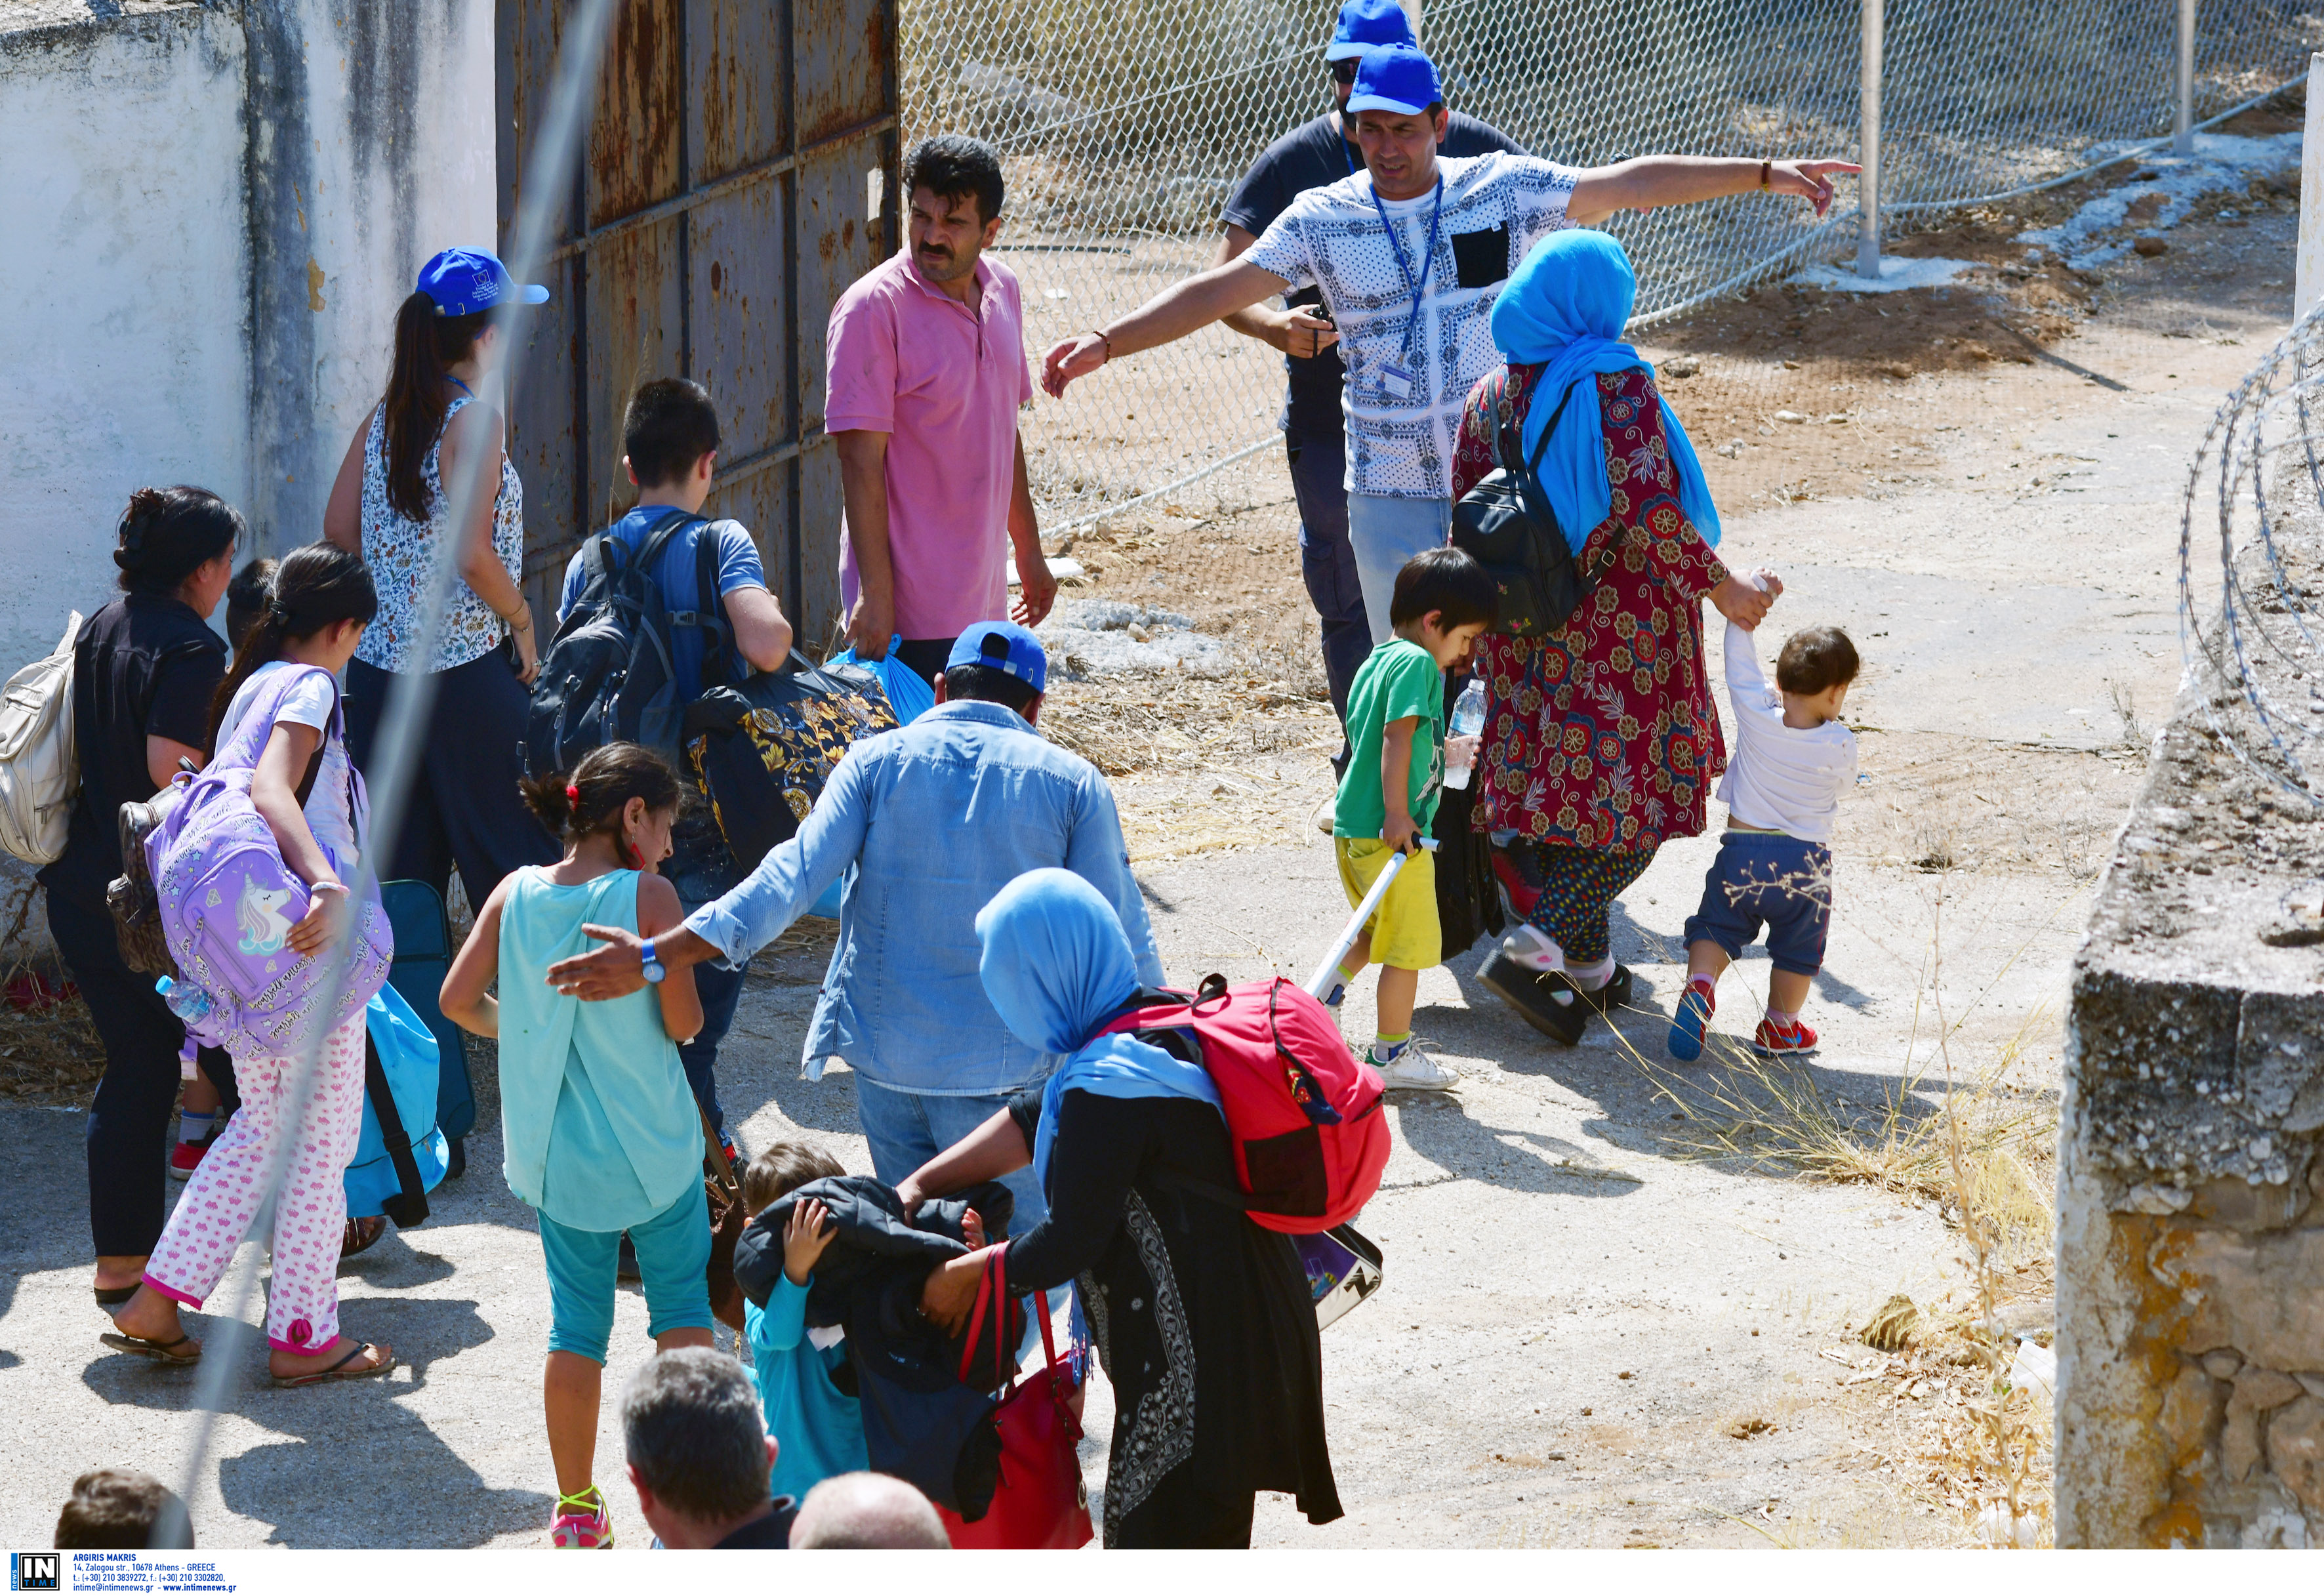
(1122, 128)
(2252, 637)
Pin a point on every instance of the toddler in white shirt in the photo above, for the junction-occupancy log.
(1792, 760)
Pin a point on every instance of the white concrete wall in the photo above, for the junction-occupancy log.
(125, 286)
(397, 161)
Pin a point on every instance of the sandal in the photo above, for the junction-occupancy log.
(161, 1351)
(361, 1236)
(110, 1297)
(380, 1363)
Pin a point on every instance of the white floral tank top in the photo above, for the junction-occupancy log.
(401, 554)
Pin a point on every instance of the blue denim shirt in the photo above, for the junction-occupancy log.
(927, 824)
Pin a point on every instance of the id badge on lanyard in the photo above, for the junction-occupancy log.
(1395, 376)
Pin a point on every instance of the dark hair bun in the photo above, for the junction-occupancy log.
(167, 534)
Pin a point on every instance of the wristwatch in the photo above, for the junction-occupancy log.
(654, 971)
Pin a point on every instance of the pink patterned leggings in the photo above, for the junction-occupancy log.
(221, 1202)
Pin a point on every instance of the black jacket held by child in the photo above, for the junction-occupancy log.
(920, 1423)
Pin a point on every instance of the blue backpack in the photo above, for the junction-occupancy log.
(402, 1154)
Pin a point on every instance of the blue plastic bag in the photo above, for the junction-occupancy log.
(908, 693)
(407, 1055)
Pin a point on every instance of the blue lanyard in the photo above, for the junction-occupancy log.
(1404, 264)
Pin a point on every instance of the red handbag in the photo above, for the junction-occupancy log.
(1041, 1505)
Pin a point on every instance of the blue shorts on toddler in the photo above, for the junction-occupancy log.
(1764, 879)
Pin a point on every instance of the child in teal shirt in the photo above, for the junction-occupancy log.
(805, 1385)
(600, 1129)
(1443, 603)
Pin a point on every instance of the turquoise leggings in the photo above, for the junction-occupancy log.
(673, 1249)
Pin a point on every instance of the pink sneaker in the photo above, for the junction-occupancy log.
(1771, 1039)
(583, 1523)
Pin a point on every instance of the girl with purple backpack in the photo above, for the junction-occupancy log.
(285, 672)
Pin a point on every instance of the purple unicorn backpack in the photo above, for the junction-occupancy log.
(227, 903)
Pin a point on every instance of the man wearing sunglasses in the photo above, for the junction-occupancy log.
(1309, 156)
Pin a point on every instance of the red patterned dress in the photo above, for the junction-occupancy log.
(1601, 740)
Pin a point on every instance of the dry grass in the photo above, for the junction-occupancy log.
(1148, 720)
(48, 1049)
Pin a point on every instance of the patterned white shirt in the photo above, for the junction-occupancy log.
(402, 555)
(1495, 208)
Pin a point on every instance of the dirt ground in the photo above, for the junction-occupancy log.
(1624, 1297)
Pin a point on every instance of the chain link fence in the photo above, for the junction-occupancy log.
(1124, 124)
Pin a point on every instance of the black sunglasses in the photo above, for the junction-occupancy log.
(1345, 69)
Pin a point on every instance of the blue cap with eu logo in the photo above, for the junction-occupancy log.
(1005, 646)
(464, 281)
(1397, 78)
(1364, 26)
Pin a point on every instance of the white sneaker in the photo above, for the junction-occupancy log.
(1327, 814)
(1524, 944)
(1413, 1071)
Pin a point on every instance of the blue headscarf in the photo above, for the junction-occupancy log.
(1567, 304)
(1056, 965)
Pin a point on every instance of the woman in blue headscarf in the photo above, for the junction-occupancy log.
(1204, 1320)
(1600, 739)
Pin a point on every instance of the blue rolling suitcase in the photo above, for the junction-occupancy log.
(423, 955)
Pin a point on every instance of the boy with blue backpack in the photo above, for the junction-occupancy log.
(721, 623)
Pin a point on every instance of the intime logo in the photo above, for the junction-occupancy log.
(34, 1571)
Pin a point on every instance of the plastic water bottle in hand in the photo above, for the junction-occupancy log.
(1468, 719)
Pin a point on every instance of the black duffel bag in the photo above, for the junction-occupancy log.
(763, 750)
(1508, 527)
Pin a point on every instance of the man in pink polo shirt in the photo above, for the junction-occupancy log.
(927, 371)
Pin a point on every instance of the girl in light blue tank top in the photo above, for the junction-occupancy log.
(601, 1132)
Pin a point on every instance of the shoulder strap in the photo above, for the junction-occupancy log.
(409, 1205)
(1533, 466)
(710, 612)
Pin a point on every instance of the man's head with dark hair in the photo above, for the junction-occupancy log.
(698, 1446)
(1815, 661)
(990, 685)
(952, 201)
(669, 425)
(117, 1510)
(781, 1169)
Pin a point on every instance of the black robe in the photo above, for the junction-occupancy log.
(1203, 1320)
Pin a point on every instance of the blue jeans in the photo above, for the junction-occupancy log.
(1766, 879)
(906, 1128)
(720, 990)
(1386, 532)
(673, 1251)
(1327, 565)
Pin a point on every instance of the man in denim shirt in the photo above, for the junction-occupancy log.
(925, 824)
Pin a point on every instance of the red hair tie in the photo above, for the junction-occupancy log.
(573, 794)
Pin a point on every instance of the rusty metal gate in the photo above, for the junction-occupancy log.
(740, 171)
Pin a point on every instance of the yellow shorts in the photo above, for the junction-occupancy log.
(1403, 926)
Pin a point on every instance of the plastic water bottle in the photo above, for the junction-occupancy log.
(1468, 719)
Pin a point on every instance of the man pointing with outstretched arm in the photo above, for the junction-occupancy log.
(1409, 255)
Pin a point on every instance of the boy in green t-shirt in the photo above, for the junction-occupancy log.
(1443, 603)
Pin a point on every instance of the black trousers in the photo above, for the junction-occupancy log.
(466, 810)
(129, 1122)
(926, 656)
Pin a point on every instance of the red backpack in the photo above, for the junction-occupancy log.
(1302, 1112)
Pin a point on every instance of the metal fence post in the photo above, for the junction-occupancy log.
(2308, 282)
(1868, 186)
(2182, 124)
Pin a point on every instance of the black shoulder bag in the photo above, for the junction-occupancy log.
(1505, 525)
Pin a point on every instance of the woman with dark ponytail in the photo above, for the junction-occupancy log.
(144, 667)
(389, 506)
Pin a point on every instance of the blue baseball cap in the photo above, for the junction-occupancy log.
(1365, 25)
(1005, 646)
(1396, 77)
(463, 281)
